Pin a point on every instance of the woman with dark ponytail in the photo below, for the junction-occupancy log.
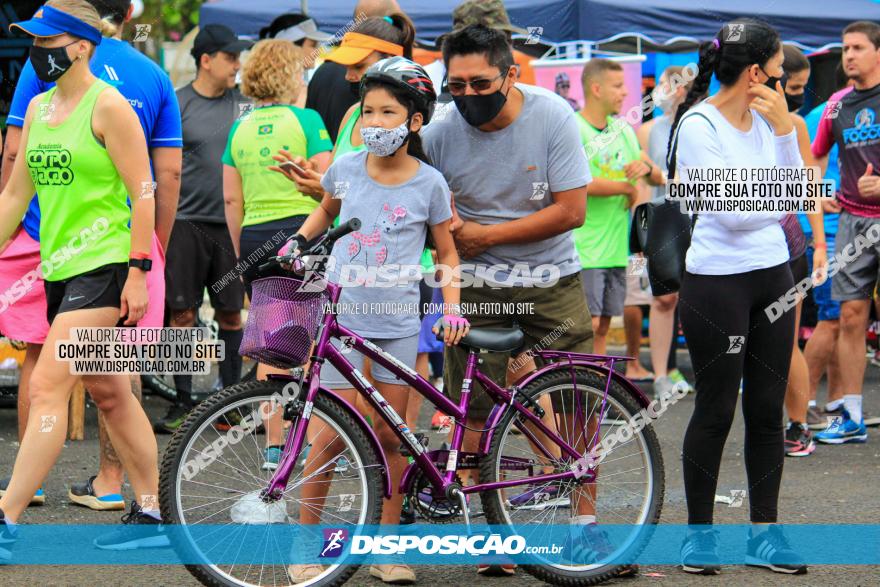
(736, 267)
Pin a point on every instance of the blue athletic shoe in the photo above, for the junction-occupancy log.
(540, 496)
(140, 530)
(39, 497)
(770, 549)
(8, 537)
(843, 429)
(272, 456)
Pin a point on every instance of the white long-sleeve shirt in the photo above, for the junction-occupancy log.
(725, 244)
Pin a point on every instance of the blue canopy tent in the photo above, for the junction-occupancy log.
(558, 18)
(667, 24)
(652, 25)
(671, 29)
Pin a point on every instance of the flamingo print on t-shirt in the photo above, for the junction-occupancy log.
(379, 264)
(371, 248)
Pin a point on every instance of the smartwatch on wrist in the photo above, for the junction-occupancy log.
(142, 264)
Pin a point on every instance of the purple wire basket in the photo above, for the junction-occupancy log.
(282, 322)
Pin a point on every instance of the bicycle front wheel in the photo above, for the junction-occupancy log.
(217, 464)
(625, 496)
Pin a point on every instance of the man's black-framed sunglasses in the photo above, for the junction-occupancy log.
(458, 88)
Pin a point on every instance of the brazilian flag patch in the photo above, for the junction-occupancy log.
(265, 129)
(323, 134)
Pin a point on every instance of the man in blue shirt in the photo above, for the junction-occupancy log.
(819, 350)
(151, 94)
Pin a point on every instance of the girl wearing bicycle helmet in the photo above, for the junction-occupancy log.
(398, 198)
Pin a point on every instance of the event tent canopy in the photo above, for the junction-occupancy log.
(654, 24)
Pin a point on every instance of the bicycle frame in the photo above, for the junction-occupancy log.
(325, 351)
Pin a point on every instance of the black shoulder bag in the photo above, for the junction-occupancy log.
(663, 233)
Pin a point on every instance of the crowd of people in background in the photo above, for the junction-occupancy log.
(249, 156)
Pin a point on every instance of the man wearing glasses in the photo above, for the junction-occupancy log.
(518, 172)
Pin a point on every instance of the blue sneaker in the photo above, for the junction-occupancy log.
(540, 496)
(39, 497)
(271, 456)
(7, 539)
(140, 530)
(843, 429)
(770, 549)
(699, 553)
(341, 465)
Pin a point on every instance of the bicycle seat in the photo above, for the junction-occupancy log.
(500, 340)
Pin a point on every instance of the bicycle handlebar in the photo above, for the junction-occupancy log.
(323, 246)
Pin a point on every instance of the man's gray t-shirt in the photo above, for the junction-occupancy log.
(658, 143)
(394, 225)
(508, 174)
(206, 123)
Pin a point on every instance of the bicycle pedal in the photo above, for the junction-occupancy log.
(423, 440)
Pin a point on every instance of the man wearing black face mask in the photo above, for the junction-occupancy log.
(512, 156)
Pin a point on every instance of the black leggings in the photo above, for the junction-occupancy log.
(730, 337)
(672, 361)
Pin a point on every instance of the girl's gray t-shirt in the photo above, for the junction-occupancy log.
(378, 265)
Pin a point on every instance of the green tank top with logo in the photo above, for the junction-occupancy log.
(83, 200)
(343, 141)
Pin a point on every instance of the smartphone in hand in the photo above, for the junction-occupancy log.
(290, 165)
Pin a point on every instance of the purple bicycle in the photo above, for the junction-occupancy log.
(569, 439)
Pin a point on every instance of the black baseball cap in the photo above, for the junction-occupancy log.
(216, 37)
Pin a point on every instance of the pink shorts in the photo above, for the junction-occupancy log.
(23, 296)
(155, 316)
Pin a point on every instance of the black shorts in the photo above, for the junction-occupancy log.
(426, 294)
(200, 255)
(261, 241)
(800, 269)
(99, 288)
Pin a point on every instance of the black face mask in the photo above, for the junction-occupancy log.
(479, 109)
(50, 64)
(795, 102)
(771, 81)
(355, 89)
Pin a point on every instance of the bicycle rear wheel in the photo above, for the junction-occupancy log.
(626, 495)
(212, 488)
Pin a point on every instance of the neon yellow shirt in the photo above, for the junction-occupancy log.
(603, 240)
(83, 201)
(253, 139)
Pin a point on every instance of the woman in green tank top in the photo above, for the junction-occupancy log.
(84, 152)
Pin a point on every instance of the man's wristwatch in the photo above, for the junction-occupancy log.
(143, 264)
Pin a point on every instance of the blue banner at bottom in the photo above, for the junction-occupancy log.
(416, 544)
